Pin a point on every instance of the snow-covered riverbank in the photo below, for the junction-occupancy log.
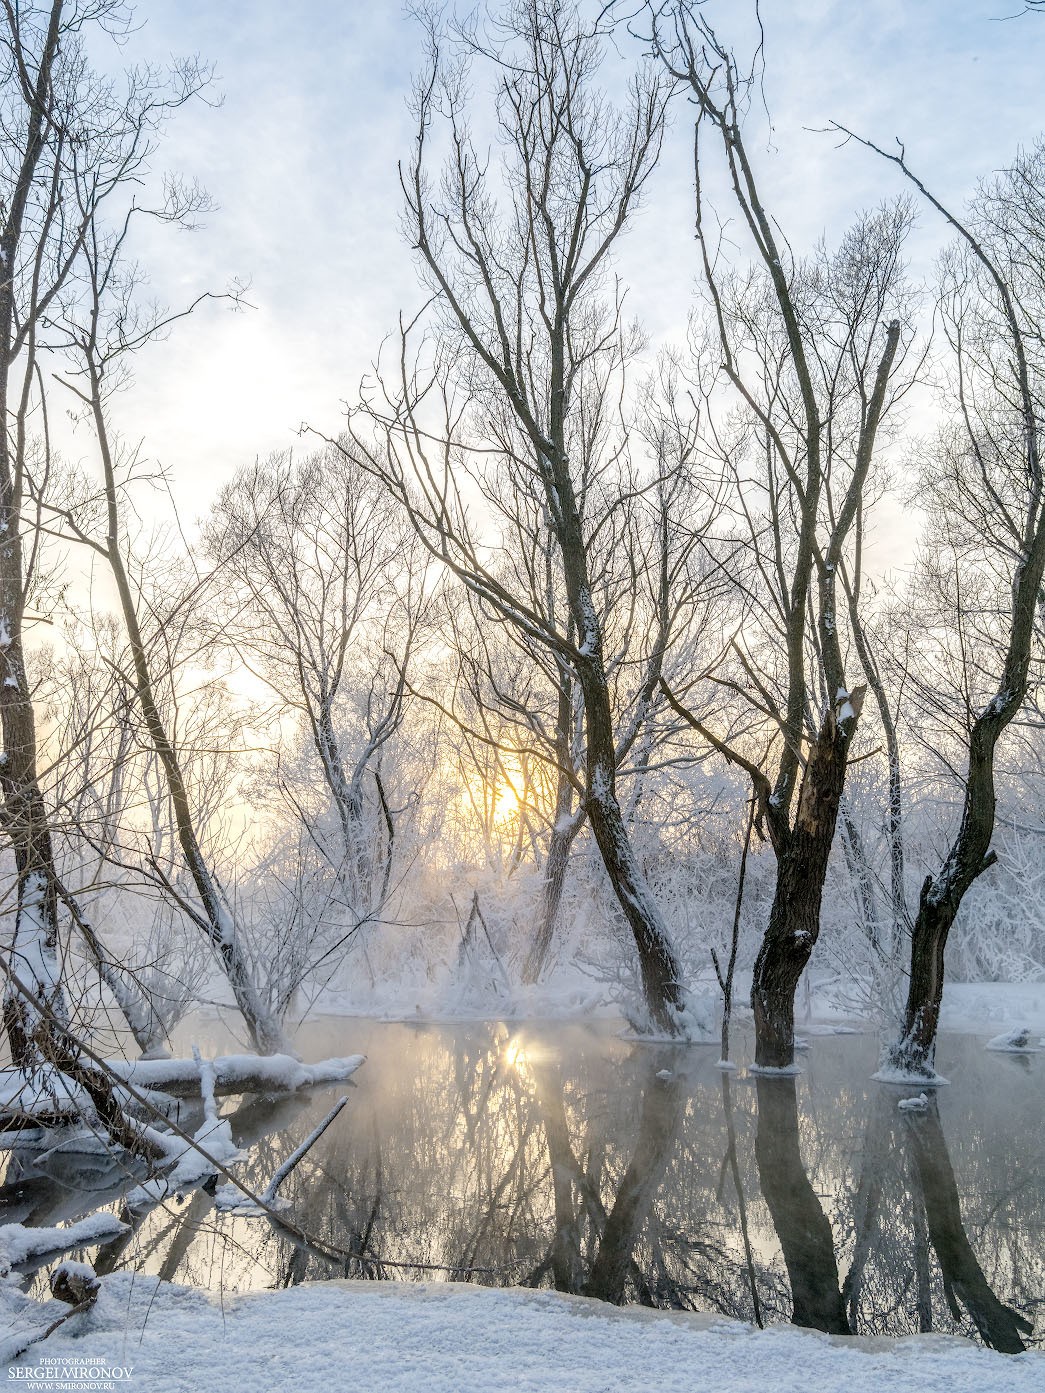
(975, 1007)
(451, 1338)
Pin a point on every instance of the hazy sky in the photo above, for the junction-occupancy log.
(301, 157)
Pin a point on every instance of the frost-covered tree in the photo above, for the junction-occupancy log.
(517, 255)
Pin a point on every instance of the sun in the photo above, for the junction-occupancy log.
(506, 804)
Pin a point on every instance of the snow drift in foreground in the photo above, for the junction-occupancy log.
(450, 1338)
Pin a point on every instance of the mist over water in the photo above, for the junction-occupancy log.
(566, 1156)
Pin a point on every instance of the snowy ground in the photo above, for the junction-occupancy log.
(439, 1338)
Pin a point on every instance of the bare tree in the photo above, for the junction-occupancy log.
(72, 141)
(518, 270)
(988, 472)
(798, 350)
(99, 324)
(522, 705)
(326, 591)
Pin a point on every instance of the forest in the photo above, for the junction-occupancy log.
(558, 671)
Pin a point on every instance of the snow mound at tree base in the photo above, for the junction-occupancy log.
(450, 1338)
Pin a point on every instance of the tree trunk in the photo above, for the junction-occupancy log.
(802, 861)
(564, 832)
(34, 951)
(659, 966)
(266, 1032)
(970, 854)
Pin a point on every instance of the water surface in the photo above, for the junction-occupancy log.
(565, 1156)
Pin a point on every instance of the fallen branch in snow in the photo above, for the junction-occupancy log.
(216, 1166)
(236, 1073)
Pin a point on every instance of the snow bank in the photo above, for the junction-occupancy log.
(451, 1338)
(983, 1006)
(835, 1005)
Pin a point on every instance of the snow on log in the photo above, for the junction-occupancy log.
(1013, 1042)
(234, 1073)
(28, 1102)
(20, 1245)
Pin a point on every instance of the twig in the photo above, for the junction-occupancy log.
(268, 1195)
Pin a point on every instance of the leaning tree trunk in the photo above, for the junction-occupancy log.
(265, 1030)
(802, 861)
(938, 906)
(659, 966)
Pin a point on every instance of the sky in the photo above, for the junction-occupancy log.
(301, 159)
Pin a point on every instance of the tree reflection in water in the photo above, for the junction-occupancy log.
(798, 1217)
(567, 1158)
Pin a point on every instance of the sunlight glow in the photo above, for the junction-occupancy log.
(507, 803)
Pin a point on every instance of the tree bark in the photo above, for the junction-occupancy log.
(802, 861)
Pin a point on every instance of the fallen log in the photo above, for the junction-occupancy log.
(58, 1100)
